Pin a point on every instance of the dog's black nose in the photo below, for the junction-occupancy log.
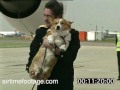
(58, 27)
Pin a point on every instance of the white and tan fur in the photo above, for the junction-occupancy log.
(41, 66)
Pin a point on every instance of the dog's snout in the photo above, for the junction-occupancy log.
(58, 27)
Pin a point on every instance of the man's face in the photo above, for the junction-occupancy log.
(47, 13)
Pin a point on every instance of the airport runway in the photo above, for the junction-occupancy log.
(93, 61)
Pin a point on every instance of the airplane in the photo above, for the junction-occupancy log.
(24, 15)
(8, 33)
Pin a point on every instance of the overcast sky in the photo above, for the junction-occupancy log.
(86, 14)
(89, 13)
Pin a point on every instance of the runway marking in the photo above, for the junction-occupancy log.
(16, 65)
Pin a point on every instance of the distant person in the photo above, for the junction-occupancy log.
(63, 70)
(118, 52)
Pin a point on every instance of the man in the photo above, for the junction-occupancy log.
(118, 52)
(63, 70)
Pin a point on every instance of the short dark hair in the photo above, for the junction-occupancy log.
(56, 7)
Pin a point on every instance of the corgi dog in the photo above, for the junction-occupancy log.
(45, 60)
(59, 33)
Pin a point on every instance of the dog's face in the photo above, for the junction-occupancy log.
(62, 24)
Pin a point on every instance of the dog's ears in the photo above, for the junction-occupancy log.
(70, 22)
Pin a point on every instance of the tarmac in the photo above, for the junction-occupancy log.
(94, 60)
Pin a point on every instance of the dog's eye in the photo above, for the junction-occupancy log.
(62, 22)
(55, 22)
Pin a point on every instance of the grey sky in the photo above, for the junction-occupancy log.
(87, 14)
(103, 13)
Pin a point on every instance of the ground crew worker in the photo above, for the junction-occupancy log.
(118, 52)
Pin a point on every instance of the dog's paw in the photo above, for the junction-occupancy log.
(32, 74)
(51, 41)
(62, 48)
(58, 42)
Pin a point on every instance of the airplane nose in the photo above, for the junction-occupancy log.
(58, 28)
